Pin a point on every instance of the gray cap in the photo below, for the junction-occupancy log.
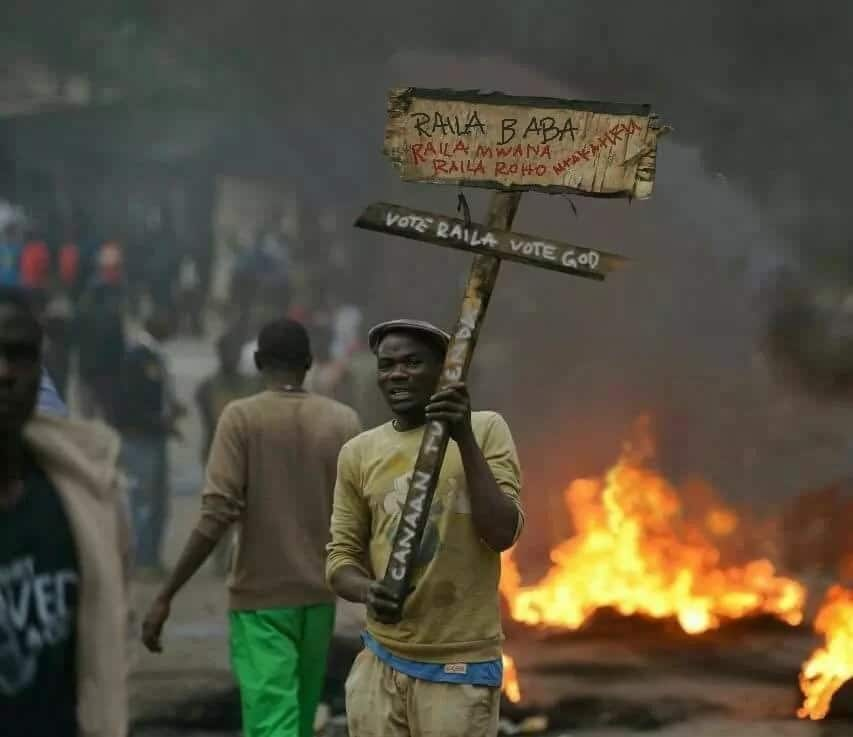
(377, 332)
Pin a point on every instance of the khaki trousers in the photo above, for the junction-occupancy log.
(382, 702)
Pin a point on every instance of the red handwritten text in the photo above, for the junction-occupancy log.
(604, 142)
(451, 166)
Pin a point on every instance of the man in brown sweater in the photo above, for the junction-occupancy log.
(272, 472)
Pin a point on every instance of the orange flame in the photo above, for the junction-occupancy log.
(830, 666)
(634, 551)
(510, 686)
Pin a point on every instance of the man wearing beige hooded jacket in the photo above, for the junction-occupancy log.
(63, 543)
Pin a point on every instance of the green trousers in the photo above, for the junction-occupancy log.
(279, 661)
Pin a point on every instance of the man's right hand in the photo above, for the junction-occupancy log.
(152, 625)
(351, 583)
(382, 605)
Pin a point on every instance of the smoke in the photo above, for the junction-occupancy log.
(760, 90)
(810, 335)
(751, 185)
(733, 258)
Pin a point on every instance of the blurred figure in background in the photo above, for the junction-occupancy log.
(63, 555)
(212, 396)
(101, 342)
(57, 320)
(49, 401)
(10, 251)
(161, 265)
(250, 266)
(78, 256)
(69, 266)
(358, 387)
(274, 294)
(326, 373)
(146, 415)
(346, 321)
(189, 298)
(110, 263)
(355, 383)
(35, 263)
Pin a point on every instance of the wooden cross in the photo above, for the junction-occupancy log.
(509, 144)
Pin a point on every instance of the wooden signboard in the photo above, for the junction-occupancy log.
(522, 143)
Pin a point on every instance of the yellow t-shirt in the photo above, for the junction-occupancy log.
(453, 614)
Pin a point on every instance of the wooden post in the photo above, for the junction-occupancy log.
(478, 291)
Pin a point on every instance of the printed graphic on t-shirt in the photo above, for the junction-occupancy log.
(448, 490)
(35, 613)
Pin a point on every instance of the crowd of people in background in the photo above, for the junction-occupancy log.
(86, 285)
(108, 315)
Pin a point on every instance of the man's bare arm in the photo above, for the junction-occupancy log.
(195, 553)
(351, 583)
(493, 513)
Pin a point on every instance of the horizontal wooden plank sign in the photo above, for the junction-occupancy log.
(522, 143)
(450, 232)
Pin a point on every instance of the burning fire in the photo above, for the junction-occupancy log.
(633, 550)
(830, 666)
(510, 683)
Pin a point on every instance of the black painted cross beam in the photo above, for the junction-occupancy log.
(508, 144)
(450, 232)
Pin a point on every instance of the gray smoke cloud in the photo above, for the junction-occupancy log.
(760, 90)
(810, 336)
(741, 257)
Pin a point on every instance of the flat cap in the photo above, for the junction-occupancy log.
(427, 329)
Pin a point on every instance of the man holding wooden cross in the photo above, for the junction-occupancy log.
(435, 514)
(438, 670)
